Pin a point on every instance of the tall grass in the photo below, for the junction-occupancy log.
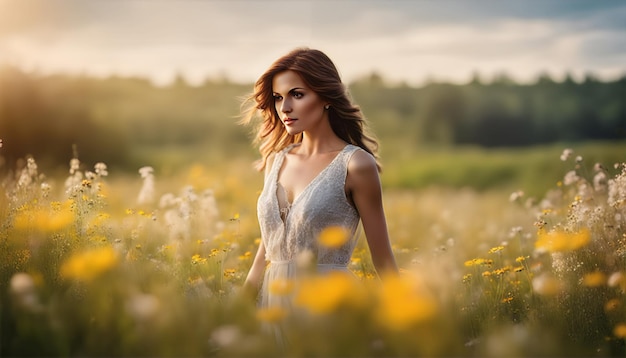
(89, 266)
(529, 168)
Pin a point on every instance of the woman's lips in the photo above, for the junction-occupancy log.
(289, 121)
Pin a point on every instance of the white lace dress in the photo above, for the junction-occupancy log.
(323, 203)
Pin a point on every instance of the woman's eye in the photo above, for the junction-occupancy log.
(297, 95)
(277, 97)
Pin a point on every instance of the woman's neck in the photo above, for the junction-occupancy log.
(320, 144)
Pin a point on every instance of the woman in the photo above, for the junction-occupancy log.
(320, 172)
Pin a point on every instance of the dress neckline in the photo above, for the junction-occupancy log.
(308, 186)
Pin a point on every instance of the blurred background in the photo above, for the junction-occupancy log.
(473, 102)
(480, 93)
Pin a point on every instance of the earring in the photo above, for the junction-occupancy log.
(327, 106)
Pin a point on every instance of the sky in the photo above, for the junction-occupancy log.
(411, 41)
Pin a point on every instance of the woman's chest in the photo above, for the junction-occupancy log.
(298, 173)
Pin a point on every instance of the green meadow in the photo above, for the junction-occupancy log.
(137, 241)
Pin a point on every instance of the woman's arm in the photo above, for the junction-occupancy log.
(363, 184)
(254, 278)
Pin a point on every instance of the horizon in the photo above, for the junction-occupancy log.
(386, 82)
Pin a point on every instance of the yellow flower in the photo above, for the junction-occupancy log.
(507, 299)
(560, 240)
(98, 238)
(229, 273)
(402, 304)
(57, 218)
(502, 270)
(197, 259)
(271, 314)
(246, 255)
(478, 261)
(87, 265)
(493, 250)
(594, 279)
(100, 219)
(333, 236)
(620, 330)
(521, 259)
(324, 294)
(281, 287)
(612, 305)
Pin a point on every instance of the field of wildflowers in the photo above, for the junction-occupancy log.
(94, 264)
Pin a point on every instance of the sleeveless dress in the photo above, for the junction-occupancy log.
(289, 236)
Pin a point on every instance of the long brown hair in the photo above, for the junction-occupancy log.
(320, 74)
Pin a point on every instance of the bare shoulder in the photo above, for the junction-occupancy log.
(362, 162)
(362, 170)
(362, 180)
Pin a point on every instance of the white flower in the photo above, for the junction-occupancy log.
(617, 279)
(32, 167)
(450, 242)
(23, 290)
(517, 230)
(617, 189)
(600, 181)
(226, 336)
(167, 200)
(74, 165)
(208, 205)
(516, 195)
(547, 285)
(73, 181)
(45, 189)
(566, 154)
(146, 194)
(570, 178)
(28, 174)
(101, 169)
(90, 175)
(146, 171)
(142, 306)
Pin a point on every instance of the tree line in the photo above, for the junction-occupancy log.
(498, 114)
(110, 119)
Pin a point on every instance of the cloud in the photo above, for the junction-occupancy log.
(403, 40)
